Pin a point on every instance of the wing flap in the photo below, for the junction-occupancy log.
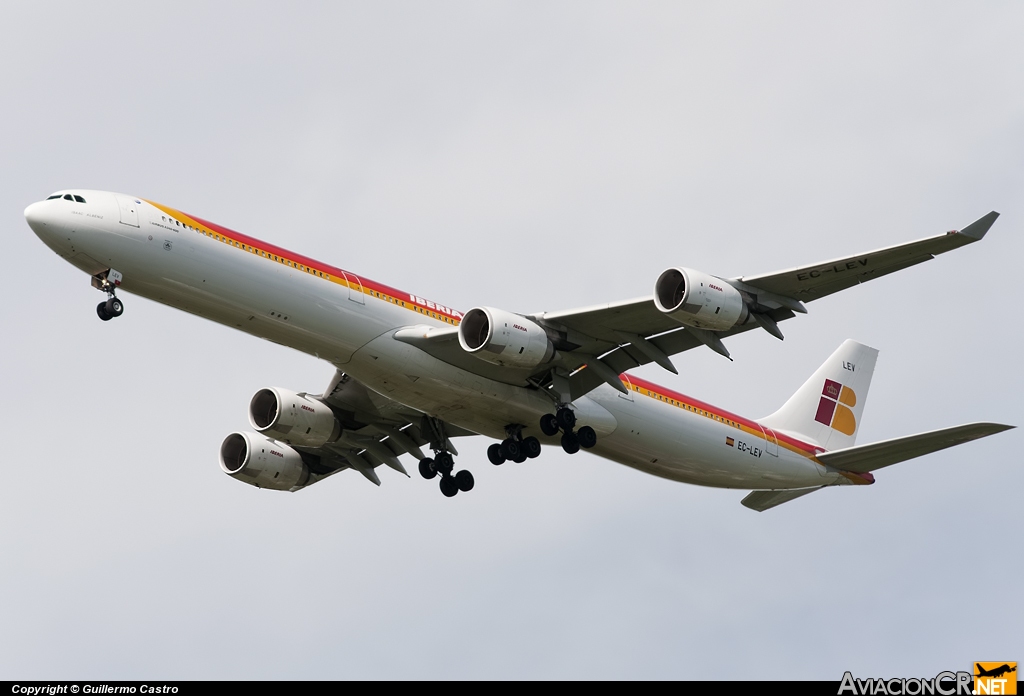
(865, 458)
(626, 357)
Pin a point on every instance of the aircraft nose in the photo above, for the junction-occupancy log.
(35, 215)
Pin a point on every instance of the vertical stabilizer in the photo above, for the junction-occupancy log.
(827, 408)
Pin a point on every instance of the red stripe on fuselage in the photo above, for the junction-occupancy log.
(322, 267)
(696, 403)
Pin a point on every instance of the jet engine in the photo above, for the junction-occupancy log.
(262, 462)
(505, 339)
(699, 300)
(293, 418)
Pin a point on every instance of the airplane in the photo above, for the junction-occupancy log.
(411, 373)
(996, 671)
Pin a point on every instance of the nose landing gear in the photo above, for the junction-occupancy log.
(110, 309)
(108, 282)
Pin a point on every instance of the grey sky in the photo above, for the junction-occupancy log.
(529, 156)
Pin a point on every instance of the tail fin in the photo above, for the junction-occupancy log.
(828, 407)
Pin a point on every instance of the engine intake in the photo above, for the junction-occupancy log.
(293, 418)
(262, 462)
(504, 338)
(699, 300)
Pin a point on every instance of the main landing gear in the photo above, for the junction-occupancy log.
(564, 420)
(108, 282)
(443, 463)
(514, 448)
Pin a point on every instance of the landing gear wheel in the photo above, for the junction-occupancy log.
(586, 436)
(549, 425)
(114, 307)
(511, 449)
(531, 447)
(464, 481)
(444, 462)
(521, 457)
(448, 486)
(101, 311)
(566, 419)
(494, 455)
(427, 469)
(570, 443)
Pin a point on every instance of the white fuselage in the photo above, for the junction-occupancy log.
(266, 291)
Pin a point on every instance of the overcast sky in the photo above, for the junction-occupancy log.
(531, 156)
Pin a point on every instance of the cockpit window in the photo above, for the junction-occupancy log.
(50, 198)
(67, 197)
(79, 199)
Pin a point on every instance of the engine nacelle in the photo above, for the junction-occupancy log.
(505, 339)
(292, 418)
(262, 462)
(699, 300)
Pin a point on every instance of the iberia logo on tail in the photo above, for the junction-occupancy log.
(834, 409)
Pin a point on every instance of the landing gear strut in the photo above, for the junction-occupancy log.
(108, 282)
(443, 462)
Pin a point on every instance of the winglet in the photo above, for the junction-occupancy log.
(977, 229)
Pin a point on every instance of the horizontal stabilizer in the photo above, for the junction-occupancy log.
(865, 458)
(764, 500)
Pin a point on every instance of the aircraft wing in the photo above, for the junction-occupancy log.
(376, 431)
(599, 342)
(818, 280)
